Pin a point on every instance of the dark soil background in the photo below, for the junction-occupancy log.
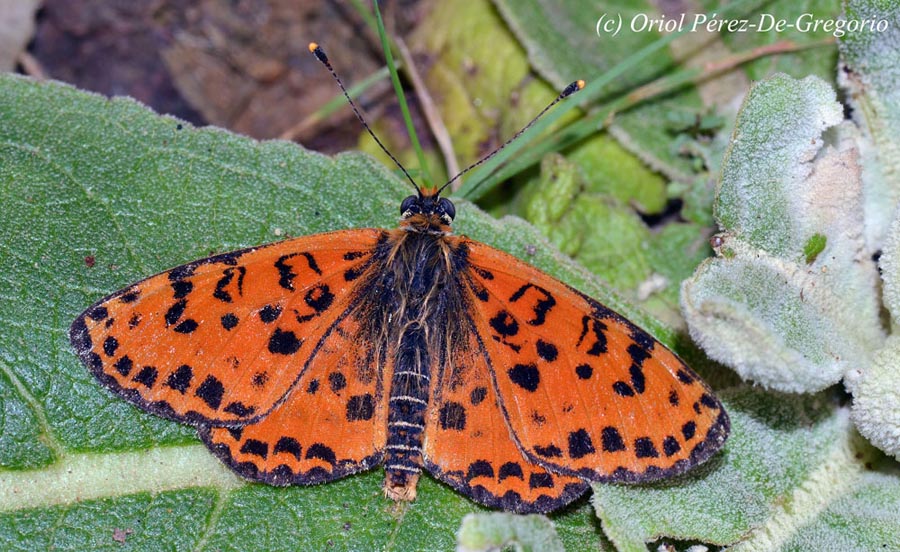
(243, 65)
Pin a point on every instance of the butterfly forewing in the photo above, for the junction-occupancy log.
(468, 444)
(584, 391)
(223, 340)
(332, 424)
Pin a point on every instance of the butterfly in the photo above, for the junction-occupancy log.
(317, 357)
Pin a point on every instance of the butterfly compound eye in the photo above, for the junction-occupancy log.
(408, 204)
(447, 207)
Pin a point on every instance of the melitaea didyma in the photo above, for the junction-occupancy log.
(310, 359)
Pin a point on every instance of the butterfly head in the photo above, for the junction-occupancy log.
(427, 212)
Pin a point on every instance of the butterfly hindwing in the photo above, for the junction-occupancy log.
(584, 391)
(332, 423)
(468, 444)
(222, 340)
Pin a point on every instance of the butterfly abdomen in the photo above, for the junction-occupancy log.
(408, 403)
(417, 271)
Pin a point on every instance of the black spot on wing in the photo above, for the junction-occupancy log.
(622, 389)
(644, 448)
(182, 288)
(684, 377)
(130, 296)
(180, 379)
(124, 365)
(360, 407)
(580, 444)
(288, 445)
(211, 392)
(229, 321)
(478, 290)
(255, 448)
(269, 313)
(511, 469)
(597, 331)
(637, 378)
(175, 311)
(584, 371)
(525, 376)
(186, 326)
(547, 351)
(147, 376)
(452, 416)
(221, 293)
(670, 445)
(638, 354)
(318, 299)
(540, 480)
(673, 398)
(239, 409)
(504, 324)
(286, 272)
(480, 468)
(478, 395)
(97, 313)
(611, 439)
(549, 451)
(337, 382)
(541, 307)
(709, 401)
(688, 430)
(110, 344)
(322, 452)
(284, 342)
(259, 379)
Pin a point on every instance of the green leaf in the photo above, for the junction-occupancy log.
(484, 532)
(763, 308)
(99, 193)
(875, 386)
(545, 28)
(780, 446)
(563, 44)
(869, 72)
(800, 27)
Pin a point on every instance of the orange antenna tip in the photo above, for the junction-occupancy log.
(571, 89)
(318, 52)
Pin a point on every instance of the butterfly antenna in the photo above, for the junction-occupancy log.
(317, 51)
(568, 91)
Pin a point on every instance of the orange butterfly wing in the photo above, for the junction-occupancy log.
(468, 444)
(223, 340)
(585, 392)
(332, 424)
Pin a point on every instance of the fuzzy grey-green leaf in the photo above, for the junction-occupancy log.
(766, 307)
(870, 74)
